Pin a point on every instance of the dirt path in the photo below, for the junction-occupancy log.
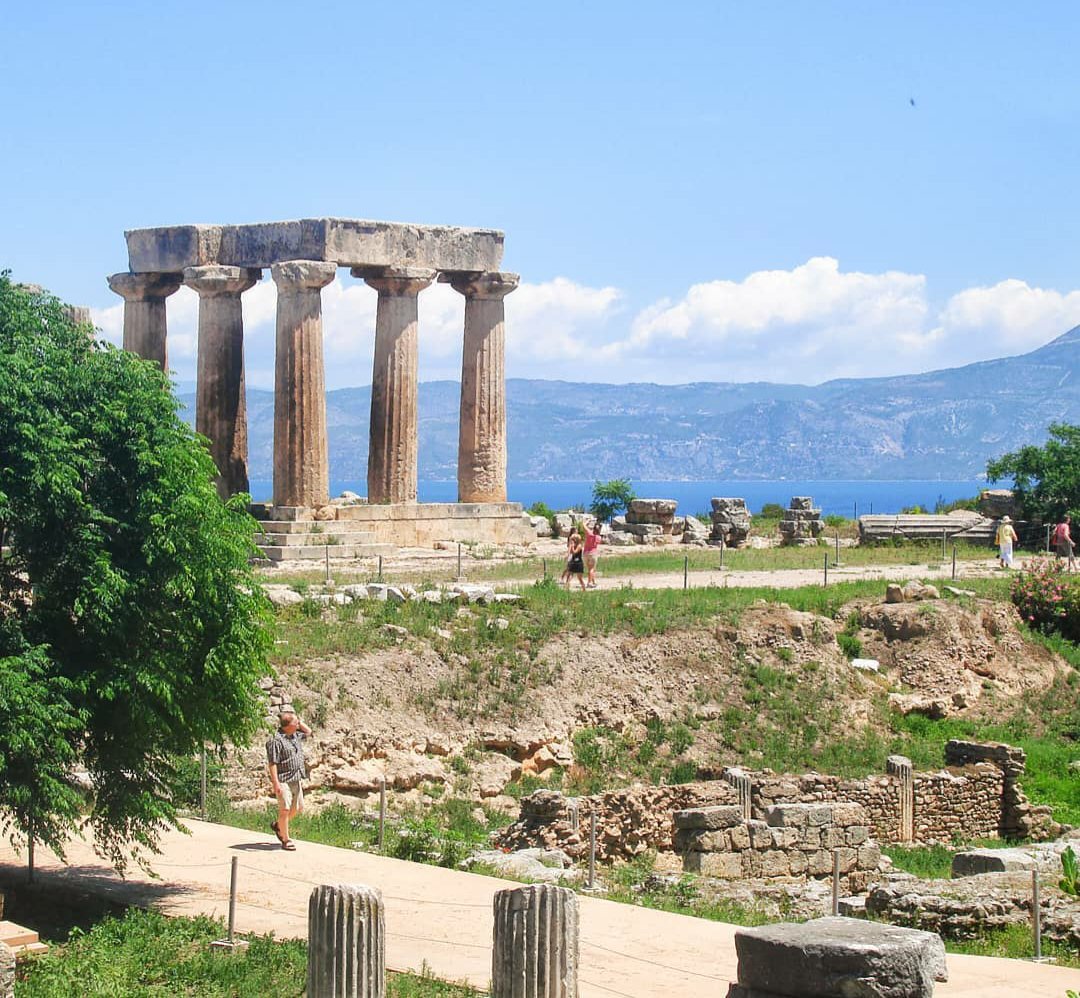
(444, 917)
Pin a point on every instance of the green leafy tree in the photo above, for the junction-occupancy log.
(1046, 480)
(611, 498)
(131, 628)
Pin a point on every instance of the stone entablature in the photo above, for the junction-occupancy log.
(399, 261)
(346, 242)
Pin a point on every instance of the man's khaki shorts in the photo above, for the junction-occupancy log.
(291, 795)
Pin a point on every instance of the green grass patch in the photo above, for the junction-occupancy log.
(146, 955)
(1014, 943)
(442, 833)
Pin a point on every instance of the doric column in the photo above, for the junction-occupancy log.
(220, 408)
(144, 312)
(392, 450)
(301, 458)
(482, 425)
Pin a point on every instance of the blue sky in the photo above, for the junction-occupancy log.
(691, 192)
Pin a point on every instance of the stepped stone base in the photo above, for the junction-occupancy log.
(302, 532)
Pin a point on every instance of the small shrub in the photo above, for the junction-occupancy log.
(1048, 599)
(683, 772)
(1070, 880)
(849, 644)
(610, 498)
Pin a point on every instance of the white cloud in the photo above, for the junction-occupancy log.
(807, 324)
(1010, 317)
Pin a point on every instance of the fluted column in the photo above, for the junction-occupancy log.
(535, 943)
(393, 450)
(144, 312)
(482, 425)
(301, 456)
(346, 942)
(220, 407)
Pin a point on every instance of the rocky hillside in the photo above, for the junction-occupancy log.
(920, 426)
(477, 696)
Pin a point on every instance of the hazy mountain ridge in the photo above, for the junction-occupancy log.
(941, 424)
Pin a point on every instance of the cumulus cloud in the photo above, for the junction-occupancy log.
(807, 324)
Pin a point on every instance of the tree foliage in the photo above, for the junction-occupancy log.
(131, 628)
(1046, 480)
(610, 498)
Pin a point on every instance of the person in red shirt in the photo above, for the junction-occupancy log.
(1063, 542)
(592, 542)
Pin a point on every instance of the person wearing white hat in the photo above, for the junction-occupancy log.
(1006, 537)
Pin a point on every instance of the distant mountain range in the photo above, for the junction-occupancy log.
(944, 424)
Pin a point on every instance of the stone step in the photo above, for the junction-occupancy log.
(333, 537)
(305, 526)
(29, 949)
(15, 935)
(319, 552)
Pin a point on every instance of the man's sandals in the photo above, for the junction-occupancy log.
(287, 844)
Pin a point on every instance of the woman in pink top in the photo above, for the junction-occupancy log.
(592, 542)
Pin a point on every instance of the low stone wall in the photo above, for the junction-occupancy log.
(976, 797)
(964, 801)
(794, 840)
(971, 906)
(628, 822)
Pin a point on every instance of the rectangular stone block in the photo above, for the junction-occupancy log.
(974, 861)
(739, 837)
(760, 835)
(848, 813)
(819, 864)
(836, 957)
(833, 838)
(797, 861)
(787, 815)
(869, 856)
(347, 242)
(857, 834)
(774, 863)
(718, 816)
(725, 865)
(848, 859)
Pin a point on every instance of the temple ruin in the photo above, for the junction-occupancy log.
(221, 262)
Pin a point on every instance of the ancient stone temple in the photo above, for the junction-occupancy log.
(220, 262)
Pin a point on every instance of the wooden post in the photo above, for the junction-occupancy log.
(686, 572)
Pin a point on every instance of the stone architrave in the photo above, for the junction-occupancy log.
(301, 457)
(220, 408)
(145, 327)
(393, 448)
(482, 426)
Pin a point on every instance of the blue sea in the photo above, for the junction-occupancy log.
(843, 498)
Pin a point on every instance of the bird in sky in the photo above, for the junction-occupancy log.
(911, 101)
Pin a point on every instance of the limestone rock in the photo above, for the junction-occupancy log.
(7, 971)
(730, 521)
(839, 958)
(282, 596)
(721, 816)
(694, 531)
(493, 772)
(401, 770)
(545, 866)
(541, 524)
(974, 861)
(472, 592)
(355, 591)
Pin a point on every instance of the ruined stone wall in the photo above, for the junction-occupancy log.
(628, 822)
(966, 801)
(977, 797)
(794, 840)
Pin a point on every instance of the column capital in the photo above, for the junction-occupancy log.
(302, 275)
(398, 282)
(144, 287)
(484, 284)
(217, 279)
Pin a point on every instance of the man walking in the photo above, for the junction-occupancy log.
(285, 761)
